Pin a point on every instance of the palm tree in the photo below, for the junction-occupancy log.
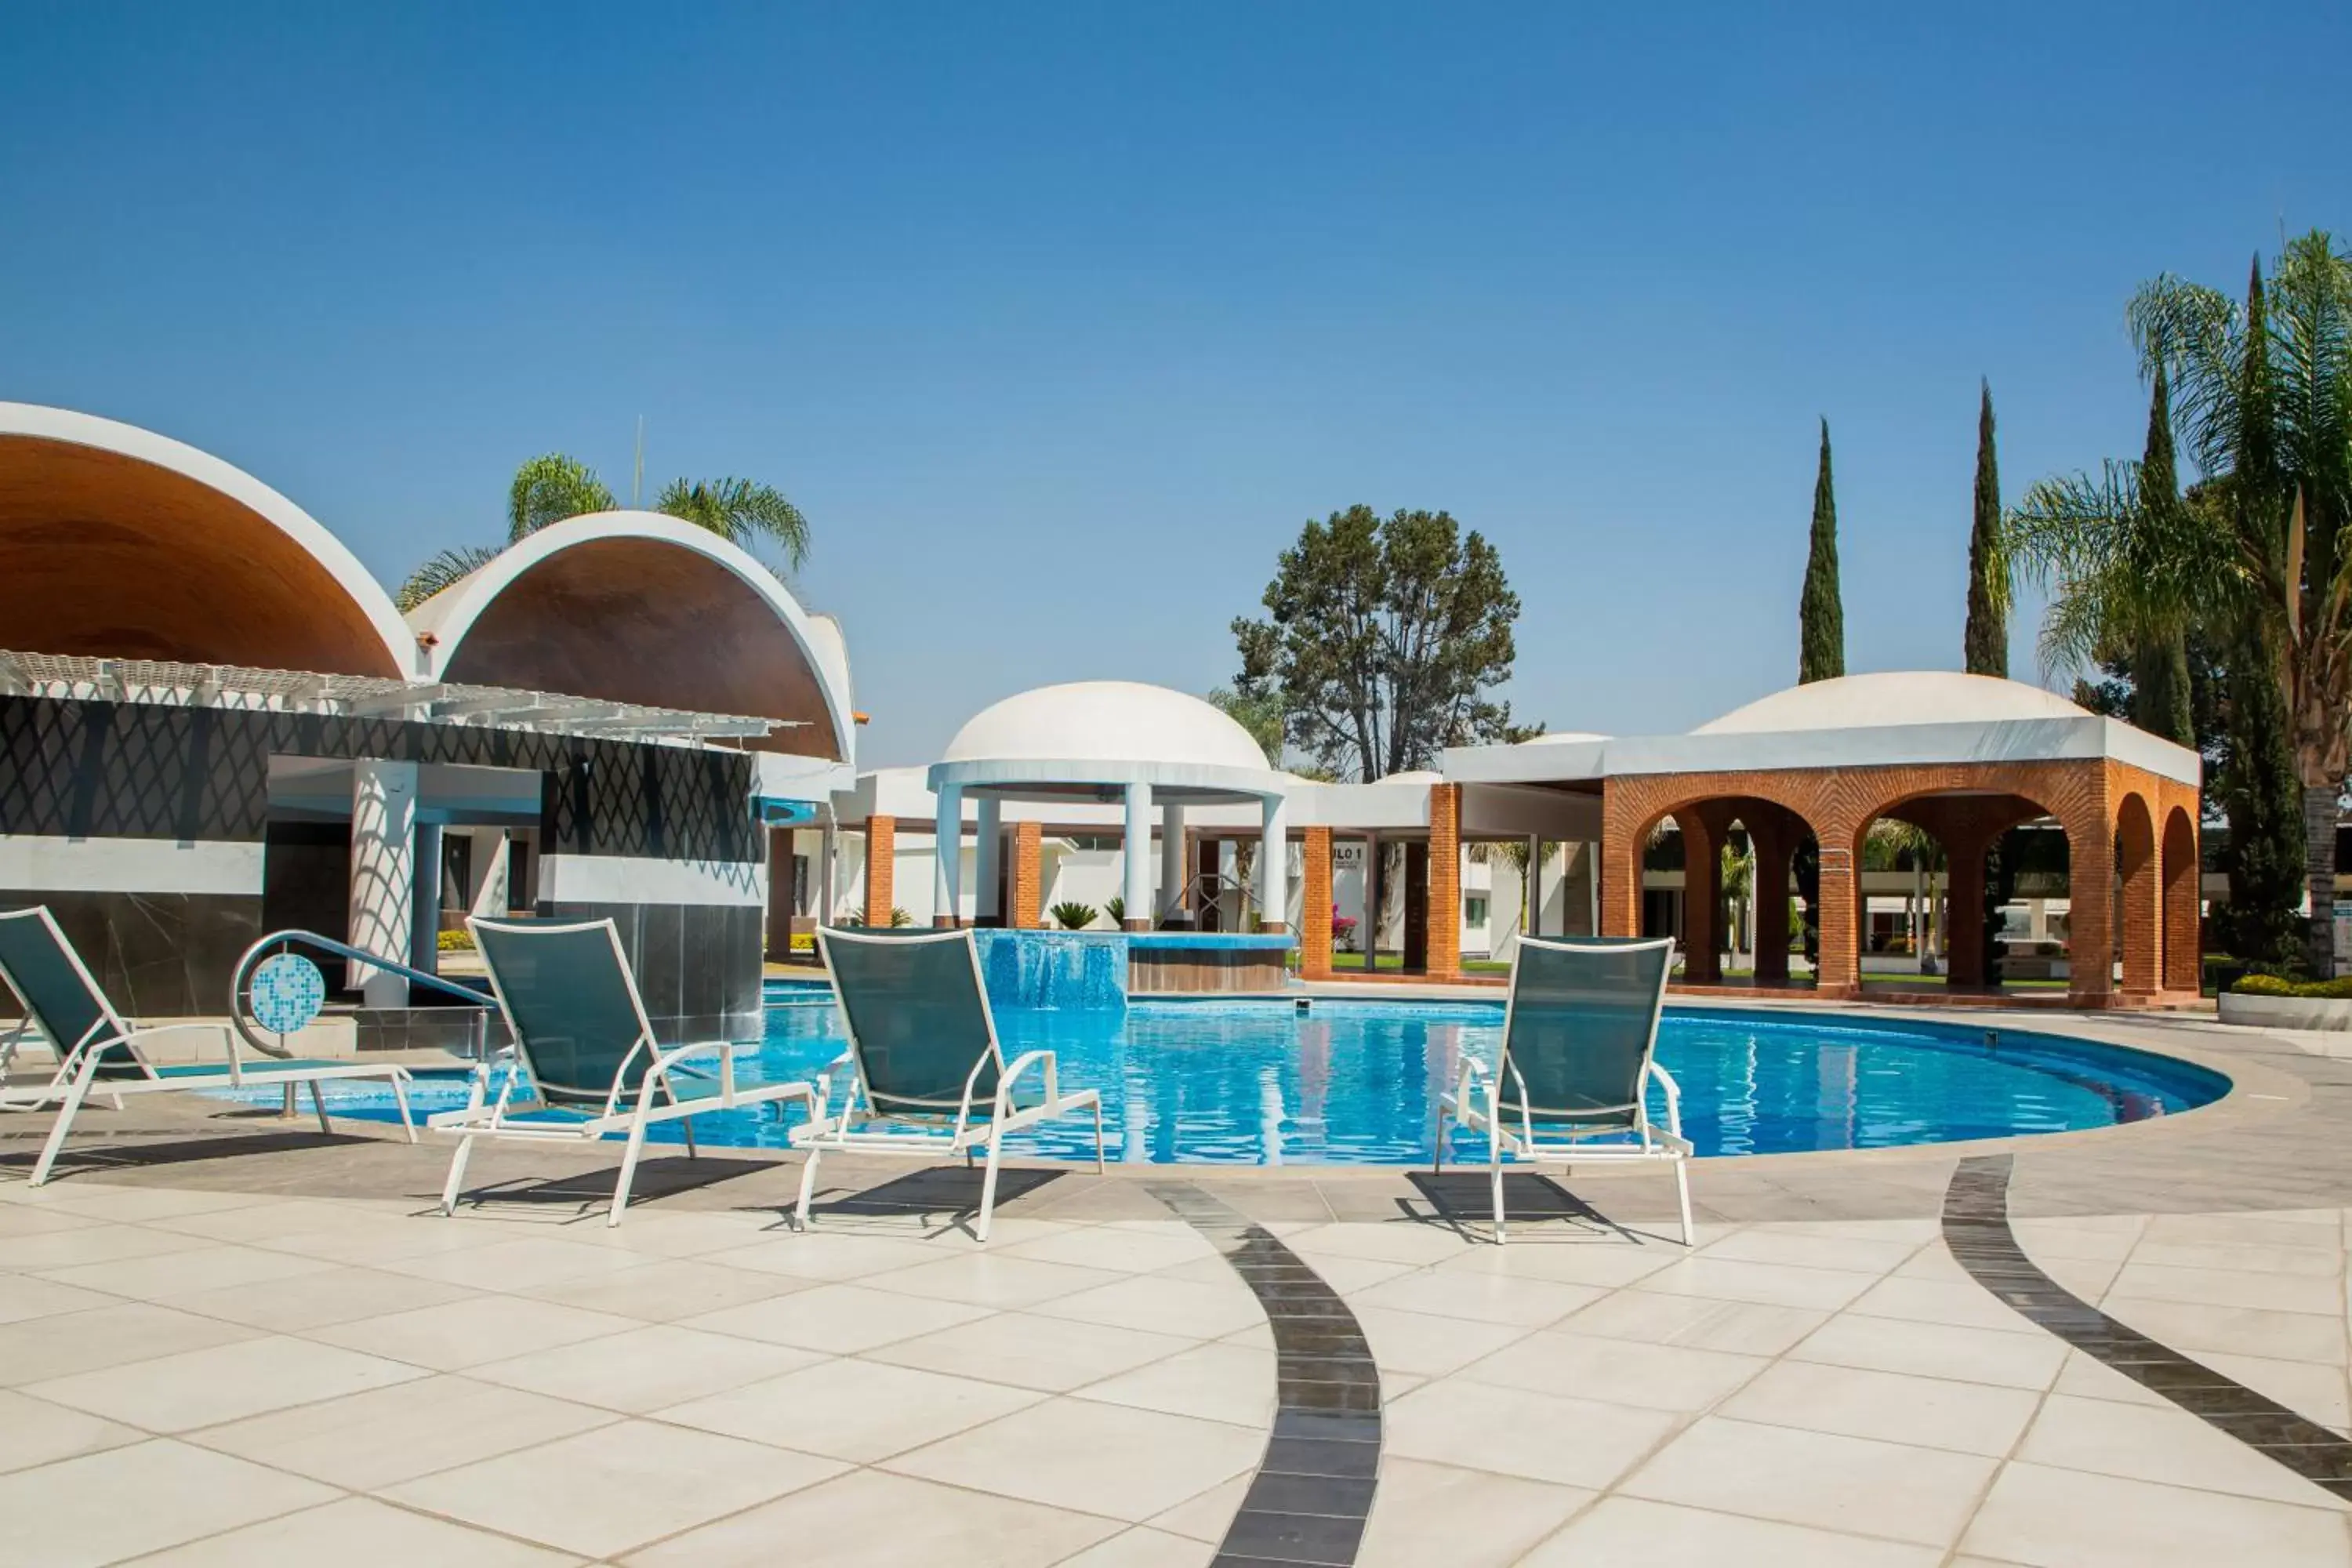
(740, 512)
(2260, 553)
(553, 488)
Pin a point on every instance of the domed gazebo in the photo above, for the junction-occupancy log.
(1102, 741)
(1962, 757)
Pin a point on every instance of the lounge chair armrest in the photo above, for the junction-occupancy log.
(227, 1036)
(1022, 1064)
(1673, 1096)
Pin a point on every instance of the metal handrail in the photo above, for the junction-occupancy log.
(280, 941)
(1198, 892)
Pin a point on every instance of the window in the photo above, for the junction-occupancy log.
(1474, 910)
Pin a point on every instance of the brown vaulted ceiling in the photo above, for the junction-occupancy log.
(645, 621)
(105, 555)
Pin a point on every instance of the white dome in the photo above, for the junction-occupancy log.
(1121, 721)
(1900, 697)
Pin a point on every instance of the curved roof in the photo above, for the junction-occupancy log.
(1899, 697)
(1093, 736)
(635, 607)
(1107, 721)
(116, 543)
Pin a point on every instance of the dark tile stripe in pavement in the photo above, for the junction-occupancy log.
(1313, 1489)
(1977, 1228)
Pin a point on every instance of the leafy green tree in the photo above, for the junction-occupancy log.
(1985, 644)
(1820, 612)
(1261, 714)
(1383, 641)
(2258, 553)
(553, 488)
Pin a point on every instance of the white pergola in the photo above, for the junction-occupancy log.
(1107, 742)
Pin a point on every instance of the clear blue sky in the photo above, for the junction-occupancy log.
(1058, 322)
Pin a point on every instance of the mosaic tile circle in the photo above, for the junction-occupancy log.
(288, 992)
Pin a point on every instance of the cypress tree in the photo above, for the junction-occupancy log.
(2160, 662)
(1985, 644)
(2262, 795)
(1820, 613)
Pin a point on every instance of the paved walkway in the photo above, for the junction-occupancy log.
(237, 1343)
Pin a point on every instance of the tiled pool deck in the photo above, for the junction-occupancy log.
(229, 1343)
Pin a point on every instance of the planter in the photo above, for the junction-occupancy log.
(2286, 1012)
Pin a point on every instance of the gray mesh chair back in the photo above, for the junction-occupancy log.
(917, 1017)
(568, 1000)
(1584, 1021)
(58, 992)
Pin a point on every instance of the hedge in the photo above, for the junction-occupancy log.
(2278, 985)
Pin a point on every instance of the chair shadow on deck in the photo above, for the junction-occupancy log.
(944, 1196)
(174, 1147)
(590, 1192)
(1462, 1201)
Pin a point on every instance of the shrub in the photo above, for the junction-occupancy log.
(900, 917)
(458, 941)
(1117, 910)
(2335, 990)
(1074, 916)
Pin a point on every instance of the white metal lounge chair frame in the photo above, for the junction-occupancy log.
(825, 1131)
(483, 1118)
(1475, 1102)
(75, 1078)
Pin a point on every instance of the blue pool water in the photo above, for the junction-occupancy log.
(1354, 1082)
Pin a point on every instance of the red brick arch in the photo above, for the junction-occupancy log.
(1839, 805)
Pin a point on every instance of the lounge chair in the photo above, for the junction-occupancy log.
(582, 1038)
(923, 1053)
(98, 1052)
(1580, 1050)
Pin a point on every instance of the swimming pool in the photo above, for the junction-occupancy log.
(1343, 1083)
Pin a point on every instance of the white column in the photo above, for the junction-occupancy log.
(1136, 852)
(1171, 860)
(1274, 867)
(383, 874)
(987, 859)
(947, 854)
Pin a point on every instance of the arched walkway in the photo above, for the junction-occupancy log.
(2140, 911)
(2183, 903)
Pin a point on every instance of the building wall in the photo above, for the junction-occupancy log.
(146, 829)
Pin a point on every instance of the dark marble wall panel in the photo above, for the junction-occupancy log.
(155, 955)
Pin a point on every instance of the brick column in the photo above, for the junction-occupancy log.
(2090, 900)
(1964, 925)
(1839, 972)
(881, 868)
(1315, 907)
(1028, 881)
(1702, 892)
(2183, 939)
(1775, 847)
(1445, 881)
(2142, 910)
(1620, 864)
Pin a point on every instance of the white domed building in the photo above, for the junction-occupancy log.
(1143, 748)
